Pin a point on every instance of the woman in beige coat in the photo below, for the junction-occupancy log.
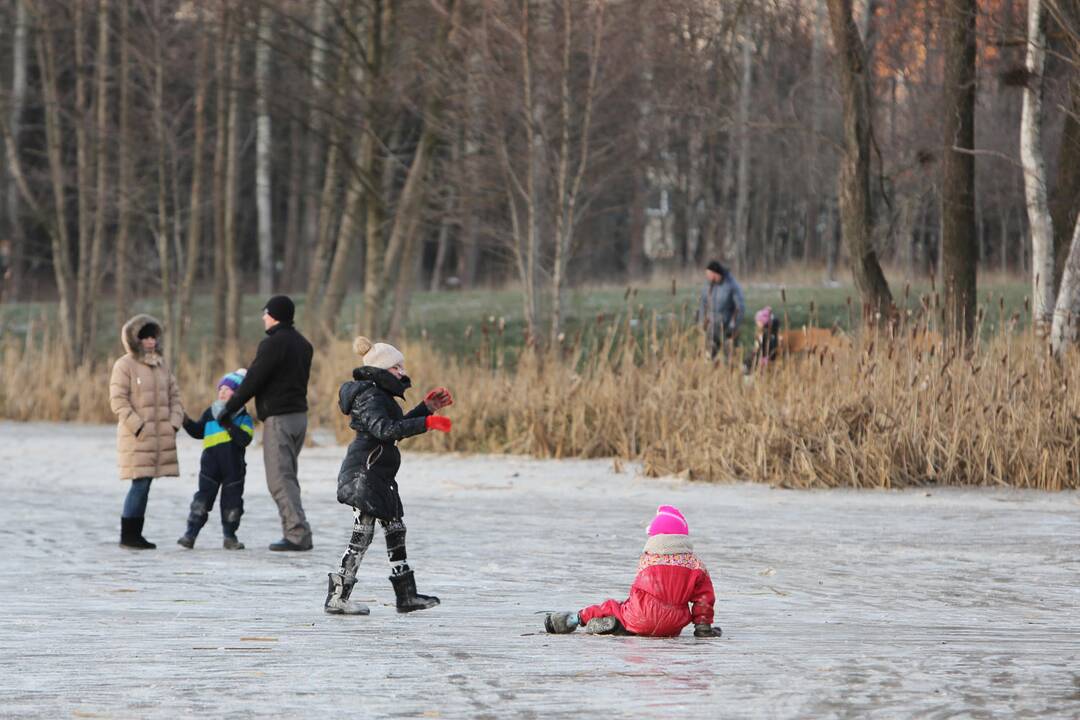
(146, 399)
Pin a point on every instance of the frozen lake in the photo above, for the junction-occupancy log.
(833, 604)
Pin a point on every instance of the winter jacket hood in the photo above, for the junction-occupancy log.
(129, 336)
(146, 400)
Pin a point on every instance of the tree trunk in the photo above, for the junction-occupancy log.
(337, 282)
(221, 149)
(372, 168)
(161, 230)
(232, 279)
(18, 103)
(403, 246)
(59, 233)
(327, 206)
(101, 144)
(742, 132)
(263, 150)
(442, 248)
(1066, 197)
(187, 285)
(1066, 323)
(570, 174)
(856, 209)
(125, 183)
(83, 169)
(315, 146)
(291, 250)
(959, 246)
(1031, 153)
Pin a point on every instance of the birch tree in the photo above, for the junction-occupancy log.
(1034, 163)
(263, 151)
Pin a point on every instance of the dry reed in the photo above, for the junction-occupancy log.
(888, 413)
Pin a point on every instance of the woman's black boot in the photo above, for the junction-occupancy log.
(131, 534)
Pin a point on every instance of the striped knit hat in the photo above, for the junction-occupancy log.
(232, 380)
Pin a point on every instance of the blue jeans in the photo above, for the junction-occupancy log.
(135, 502)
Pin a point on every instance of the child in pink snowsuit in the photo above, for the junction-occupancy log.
(671, 590)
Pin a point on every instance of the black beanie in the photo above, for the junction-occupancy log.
(281, 308)
(717, 268)
(149, 330)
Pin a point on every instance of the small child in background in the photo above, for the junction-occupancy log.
(670, 577)
(222, 465)
(766, 340)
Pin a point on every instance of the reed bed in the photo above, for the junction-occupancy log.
(892, 411)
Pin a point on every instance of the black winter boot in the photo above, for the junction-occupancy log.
(131, 534)
(407, 599)
(337, 597)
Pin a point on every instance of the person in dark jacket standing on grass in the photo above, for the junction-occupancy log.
(721, 308)
(368, 477)
(277, 378)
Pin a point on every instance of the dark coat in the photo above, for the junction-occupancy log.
(278, 376)
(224, 445)
(368, 476)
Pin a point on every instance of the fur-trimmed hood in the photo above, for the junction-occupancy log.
(129, 335)
(669, 545)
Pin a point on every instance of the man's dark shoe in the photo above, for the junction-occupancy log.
(286, 545)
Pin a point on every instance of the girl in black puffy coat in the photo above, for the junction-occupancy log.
(368, 477)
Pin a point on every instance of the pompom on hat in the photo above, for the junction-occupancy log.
(232, 380)
(380, 355)
(668, 521)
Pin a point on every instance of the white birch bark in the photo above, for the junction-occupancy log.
(262, 158)
(1034, 164)
(1064, 330)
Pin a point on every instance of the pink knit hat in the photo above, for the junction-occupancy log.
(763, 316)
(668, 521)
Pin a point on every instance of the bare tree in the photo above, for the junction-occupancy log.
(263, 151)
(856, 208)
(959, 244)
(18, 103)
(1031, 152)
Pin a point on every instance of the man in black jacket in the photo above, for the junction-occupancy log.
(277, 378)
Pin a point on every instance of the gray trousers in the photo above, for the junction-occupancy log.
(283, 438)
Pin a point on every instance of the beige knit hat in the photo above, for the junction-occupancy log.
(380, 355)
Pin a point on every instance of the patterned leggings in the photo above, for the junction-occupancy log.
(362, 535)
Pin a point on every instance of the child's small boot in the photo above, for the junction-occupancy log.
(606, 625)
(188, 538)
(337, 597)
(407, 598)
(131, 534)
(561, 622)
(704, 630)
(231, 541)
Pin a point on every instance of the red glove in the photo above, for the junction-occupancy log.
(437, 422)
(438, 398)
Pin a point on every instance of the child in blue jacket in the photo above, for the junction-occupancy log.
(222, 464)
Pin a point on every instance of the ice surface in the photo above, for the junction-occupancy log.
(833, 604)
